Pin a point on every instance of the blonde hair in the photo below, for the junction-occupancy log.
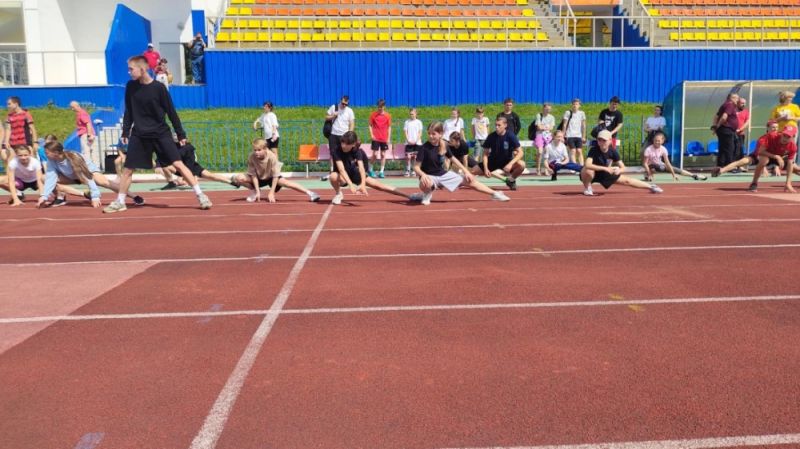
(75, 159)
(436, 127)
(785, 95)
(260, 143)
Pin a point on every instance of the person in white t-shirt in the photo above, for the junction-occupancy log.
(412, 128)
(455, 124)
(480, 131)
(574, 122)
(656, 159)
(343, 119)
(23, 172)
(545, 123)
(557, 157)
(268, 121)
(653, 124)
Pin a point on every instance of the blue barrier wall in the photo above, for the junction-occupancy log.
(295, 78)
(129, 36)
(189, 97)
(60, 96)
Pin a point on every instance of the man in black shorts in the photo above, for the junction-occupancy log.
(502, 155)
(146, 103)
(350, 162)
(604, 166)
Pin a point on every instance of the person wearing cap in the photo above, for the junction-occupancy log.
(197, 51)
(726, 123)
(152, 57)
(751, 159)
(780, 148)
(605, 166)
(786, 112)
(611, 118)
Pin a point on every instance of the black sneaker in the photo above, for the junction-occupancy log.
(512, 185)
(87, 195)
(170, 186)
(554, 177)
(753, 187)
(21, 196)
(234, 182)
(715, 172)
(59, 202)
(139, 201)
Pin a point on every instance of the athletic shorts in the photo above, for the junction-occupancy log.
(412, 148)
(268, 183)
(22, 186)
(497, 165)
(542, 139)
(379, 146)
(141, 150)
(271, 145)
(354, 175)
(658, 168)
(605, 179)
(450, 181)
(574, 142)
(471, 162)
(189, 159)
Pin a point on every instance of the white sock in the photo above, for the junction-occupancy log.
(121, 198)
(197, 190)
(511, 178)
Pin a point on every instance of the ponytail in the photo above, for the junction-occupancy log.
(76, 161)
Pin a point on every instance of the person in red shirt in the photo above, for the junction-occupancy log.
(85, 132)
(752, 159)
(780, 148)
(152, 57)
(19, 128)
(380, 128)
(744, 122)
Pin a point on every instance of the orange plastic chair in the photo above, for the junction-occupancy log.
(382, 12)
(308, 153)
(407, 12)
(258, 11)
(282, 12)
(394, 12)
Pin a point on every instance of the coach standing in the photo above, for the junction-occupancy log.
(725, 126)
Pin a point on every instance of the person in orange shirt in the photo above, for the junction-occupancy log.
(380, 129)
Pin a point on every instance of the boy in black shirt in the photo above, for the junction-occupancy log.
(604, 166)
(611, 119)
(502, 155)
(511, 117)
(350, 163)
(146, 104)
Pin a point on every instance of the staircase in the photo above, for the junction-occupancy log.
(551, 24)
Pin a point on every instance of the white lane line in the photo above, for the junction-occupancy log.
(405, 228)
(214, 424)
(702, 443)
(418, 308)
(536, 252)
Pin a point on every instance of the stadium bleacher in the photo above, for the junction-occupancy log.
(412, 23)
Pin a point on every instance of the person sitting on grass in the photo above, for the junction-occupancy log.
(433, 174)
(557, 157)
(604, 166)
(655, 159)
(503, 155)
(350, 162)
(23, 172)
(780, 148)
(69, 167)
(752, 159)
(264, 170)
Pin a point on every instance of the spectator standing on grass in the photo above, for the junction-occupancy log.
(574, 125)
(455, 124)
(611, 119)
(480, 131)
(86, 133)
(380, 130)
(726, 123)
(412, 128)
(152, 56)
(20, 129)
(604, 166)
(342, 120)
(786, 112)
(654, 124)
(514, 124)
(543, 125)
(268, 122)
(197, 51)
(743, 114)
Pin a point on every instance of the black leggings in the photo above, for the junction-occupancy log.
(727, 145)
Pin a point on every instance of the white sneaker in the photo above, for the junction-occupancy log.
(500, 196)
(426, 198)
(337, 199)
(588, 191)
(252, 197)
(407, 174)
(313, 197)
(205, 203)
(416, 197)
(656, 189)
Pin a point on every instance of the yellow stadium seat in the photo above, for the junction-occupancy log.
(534, 25)
(290, 37)
(384, 36)
(488, 37)
(528, 13)
(515, 36)
(397, 36)
(756, 23)
(713, 36)
(318, 37)
(664, 24)
(472, 24)
(227, 23)
(795, 35)
(358, 23)
(528, 36)
(519, 24)
(249, 2)
(459, 24)
(497, 24)
(277, 36)
(462, 36)
(411, 36)
(254, 24)
(674, 36)
(306, 24)
(396, 23)
(542, 36)
(771, 36)
(781, 23)
(437, 37)
(726, 36)
(370, 24)
(331, 37)
(250, 37)
(422, 24)
(484, 24)
(232, 11)
(769, 23)
(280, 23)
(292, 23)
(371, 37)
(425, 37)
(501, 36)
(358, 36)
(433, 24)
(267, 23)
(344, 24)
(263, 37)
(305, 37)
(237, 2)
(333, 24)
(700, 36)
(245, 12)
(383, 23)
(409, 24)
(223, 36)
(319, 24)
(522, 2)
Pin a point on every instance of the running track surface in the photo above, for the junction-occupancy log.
(624, 321)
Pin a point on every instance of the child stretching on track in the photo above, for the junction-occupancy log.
(189, 159)
(460, 150)
(655, 159)
(780, 148)
(264, 170)
(350, 162)
(752, 159)
(23, 172)
(555, 153)
(430, 167)
(604, 166)
(69, 167)
(503, 155)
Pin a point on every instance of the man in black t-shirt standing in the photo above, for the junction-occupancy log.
(511, 117)
(502, 155)
(146, 133)
(611, 119)
(604, 166)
